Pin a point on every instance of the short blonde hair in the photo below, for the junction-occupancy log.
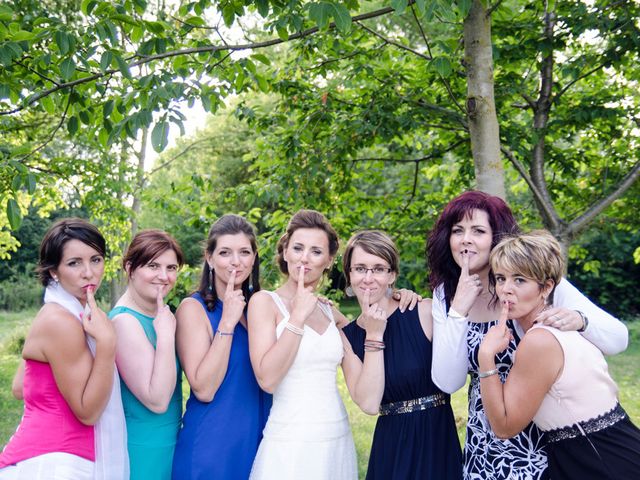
(536, 255)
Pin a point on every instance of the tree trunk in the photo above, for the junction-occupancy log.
(481, 110)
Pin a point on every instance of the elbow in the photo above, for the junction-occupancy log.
(505, 433)
(369, 408)
(205, 396)
(88, 419)
(158, 408)
(267, 385)
(17, 393)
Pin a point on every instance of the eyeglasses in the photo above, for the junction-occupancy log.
(377, 271)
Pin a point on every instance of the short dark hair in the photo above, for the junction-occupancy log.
(443, 268)
(147, 245)
(229, 224)
(306, 219)
(58, 235)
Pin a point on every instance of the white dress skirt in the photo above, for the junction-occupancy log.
(50, 466)
(307, 434)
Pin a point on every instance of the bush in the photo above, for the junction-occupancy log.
(20, 292)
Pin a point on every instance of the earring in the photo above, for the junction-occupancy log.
(349, 291)
(210, 287)
(389, 292)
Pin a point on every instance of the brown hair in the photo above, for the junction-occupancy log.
(229, 225)
(146, 246)
(306, 219)
(56, 238)
(374, 242)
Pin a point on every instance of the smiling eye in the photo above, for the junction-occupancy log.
(379, 270)
(152, 266)
(172, 268)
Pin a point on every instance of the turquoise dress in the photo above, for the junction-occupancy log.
(151, 437)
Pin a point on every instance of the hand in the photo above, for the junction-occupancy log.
(373, 318)
(498, 337)
(233, 305)
(560, 318)
(164, 323)
(406, 298)
(96, 323)
(468, 289)
(304, 301)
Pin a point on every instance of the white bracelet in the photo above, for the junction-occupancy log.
(488, 374)
(453, 314)
(294, 329)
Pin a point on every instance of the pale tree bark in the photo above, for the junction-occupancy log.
(481, 110)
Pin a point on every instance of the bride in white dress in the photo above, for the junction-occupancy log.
(295, 348)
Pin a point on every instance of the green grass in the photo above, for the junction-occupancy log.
(625, 369)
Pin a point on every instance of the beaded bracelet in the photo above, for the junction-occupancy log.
(293, 329)
(224, 334)
(373, 345)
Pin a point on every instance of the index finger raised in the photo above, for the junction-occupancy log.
(465, 263)
(301, 278)
(231, 283)
(91, 301)
(504, 314)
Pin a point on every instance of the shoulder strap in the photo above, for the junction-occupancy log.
(279, 303)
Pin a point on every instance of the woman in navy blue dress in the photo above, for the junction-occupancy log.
(415, 436)
(227, 410)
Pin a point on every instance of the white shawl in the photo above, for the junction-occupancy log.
(110, 432)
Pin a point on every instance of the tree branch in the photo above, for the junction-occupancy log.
(188, 51)
(574, 227)
(395, 44)
(576, 80)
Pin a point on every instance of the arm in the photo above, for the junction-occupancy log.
(512, 406)
(85, 382)
(605, 331)
(149, 373)
(18, 382)
(449, 365)
(365, 379)
(271, 357)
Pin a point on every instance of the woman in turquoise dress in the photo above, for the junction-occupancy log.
(227, 410)
(145, 354)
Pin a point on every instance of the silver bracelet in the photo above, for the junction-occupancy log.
(488, 374)
(585, 321)
(293, 329)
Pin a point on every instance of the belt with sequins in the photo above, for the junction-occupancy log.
(590, 426)
(414, 405)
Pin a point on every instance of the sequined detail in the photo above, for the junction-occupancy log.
(414, 405)
(590, 426)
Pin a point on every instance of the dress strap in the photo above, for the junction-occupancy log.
(279, 303)
(326, 309)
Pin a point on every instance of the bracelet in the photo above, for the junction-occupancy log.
(454, 314)
(373, 345)
(585, 321)
(224, 334)
(293, 329)
(488, 374)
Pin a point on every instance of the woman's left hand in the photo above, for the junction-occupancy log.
(406, 298)
(560, 318)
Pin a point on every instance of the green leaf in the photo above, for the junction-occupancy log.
(16, 182)
(48, 105)
(23, 35)
(228, 14)
(263, 7)
(399, 6)
(320, 13)
(119, 17)
(67, 68)
(62, 40)
(6, 56)
(342, 17)
(123, 66)
(13, 214)
(283, 33)
(105, 60)
(6, 14)
(261, 58)
(31, 183)
(72, 125)
(107, 108)
(464, 6)
(442, 65)
(5, 91)
(88, 6)
(160, 136)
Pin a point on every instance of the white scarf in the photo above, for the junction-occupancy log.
(110, 432)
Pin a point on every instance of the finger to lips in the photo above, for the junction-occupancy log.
(504, 314)
(301, 278)
(465, 263)
(232, 281)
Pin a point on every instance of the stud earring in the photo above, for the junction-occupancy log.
(349, 291)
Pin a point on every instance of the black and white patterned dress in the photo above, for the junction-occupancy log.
(486, 457)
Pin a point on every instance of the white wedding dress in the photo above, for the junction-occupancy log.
(307, 435)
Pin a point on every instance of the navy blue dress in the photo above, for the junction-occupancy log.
(219, 439)
(416, 445)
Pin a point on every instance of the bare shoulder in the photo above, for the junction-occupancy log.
(56, 320)
(262, 307)
(190, 307)
(424, 308)
(54, 329)
(538, 346)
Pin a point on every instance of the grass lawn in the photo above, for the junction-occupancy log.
(625, 369)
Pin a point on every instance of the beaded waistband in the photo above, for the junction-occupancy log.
(414, 405)
(590, 426)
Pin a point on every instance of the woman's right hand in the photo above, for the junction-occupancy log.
(468, 289)
(304, 301)
(164, 323)
(373, 318)
(233, 304)
(96, 323)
